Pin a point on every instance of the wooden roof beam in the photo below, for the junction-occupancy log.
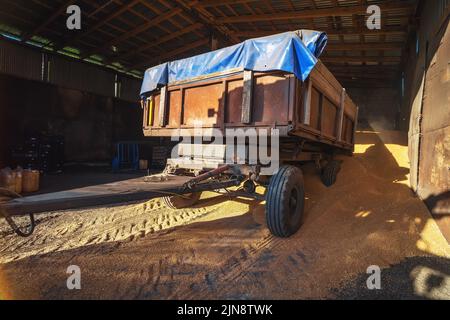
(364, 68)
(406, 7)
(362, 59)
(215, 3)
(365, 75)
(161, 40)
(172, 54)
(202, 15)
(27, 36)
(329, 31)
(142, 28)
(384, 46)
(126, 6)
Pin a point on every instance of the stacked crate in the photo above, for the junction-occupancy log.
(43, 153)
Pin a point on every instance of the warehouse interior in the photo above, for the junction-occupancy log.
(81, 87)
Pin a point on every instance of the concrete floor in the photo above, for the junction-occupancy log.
(222, 248)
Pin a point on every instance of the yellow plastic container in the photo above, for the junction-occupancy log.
(143, 164)
(30, 181)
(19, 180)
(8, 179)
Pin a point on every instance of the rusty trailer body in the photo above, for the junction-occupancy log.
(317, 112)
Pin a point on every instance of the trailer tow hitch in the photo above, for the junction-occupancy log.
(248, 190)
(191, 184)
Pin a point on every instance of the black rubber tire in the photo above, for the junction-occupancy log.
(186, 201)
(330, 172)
(285, 202)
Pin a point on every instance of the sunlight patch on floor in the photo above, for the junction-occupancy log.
(430, 284)
(432, 240)
(362, 148)
(400, 154)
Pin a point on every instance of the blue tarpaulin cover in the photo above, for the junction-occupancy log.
(294, 52)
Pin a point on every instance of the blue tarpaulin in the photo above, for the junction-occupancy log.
(294, 52)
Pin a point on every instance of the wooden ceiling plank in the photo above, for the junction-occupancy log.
(122, 9)
(200, 14)
(135, 31)
(329, 31)
(361, 59)
(161, 40)
(172, 54)
(317, 13)
(386, 46)
(27, 36)
(215, 3)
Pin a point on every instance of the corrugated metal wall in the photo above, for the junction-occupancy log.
(434, 161)
(428, 84)
(130, 88)
(20, 61)
(74, 74)
(29, 63)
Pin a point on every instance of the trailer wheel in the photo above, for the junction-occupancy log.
(285, 202)
(330, 172)
(182, 202)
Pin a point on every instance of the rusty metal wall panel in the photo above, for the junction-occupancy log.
(271, 99)
(20, 61)
(428, 93)
(130, 89)
(234, 101)
(82, 76)
(434, 170)
(329, 116)
(174, 112)
(202, 104)
(314, 121)
(88, 122)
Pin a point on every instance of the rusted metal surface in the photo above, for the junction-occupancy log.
(89, 123)
(20, 61)
(203, 177)
(117, 192)
(111, 193)
(434, 160)
(73, 74)
(428, 88)
(430, 115)
(271, 100)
